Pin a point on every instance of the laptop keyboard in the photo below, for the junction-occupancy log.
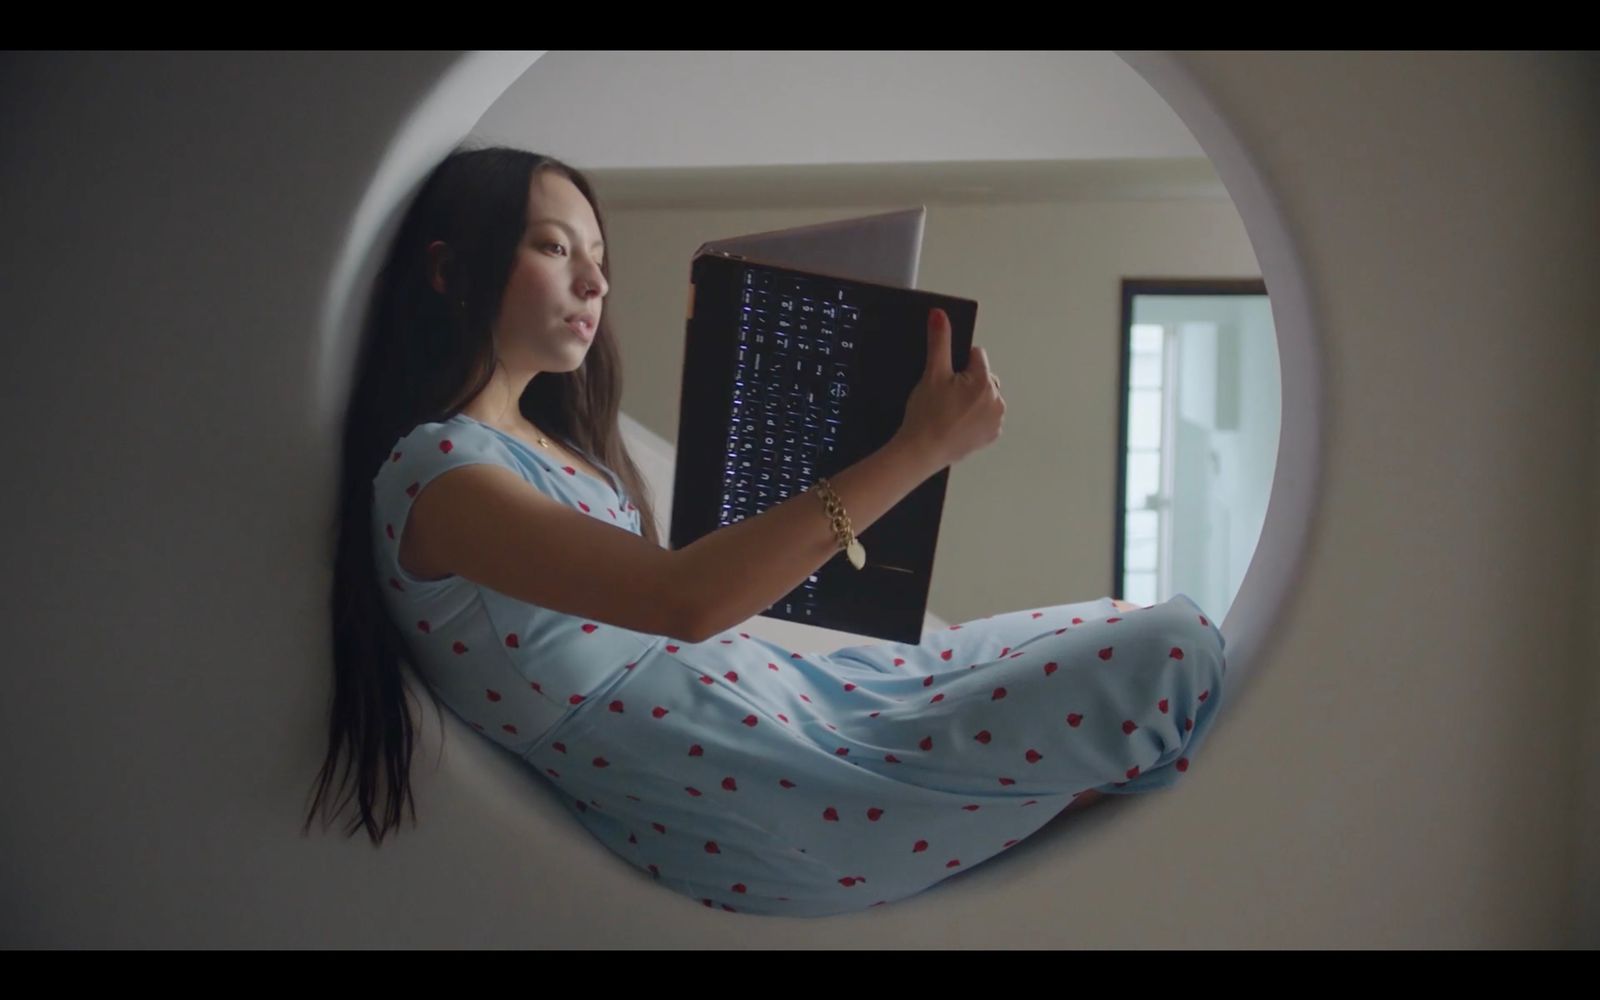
(796, 364)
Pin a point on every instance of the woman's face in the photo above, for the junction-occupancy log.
(551, 306)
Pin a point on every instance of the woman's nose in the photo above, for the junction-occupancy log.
(593, 282)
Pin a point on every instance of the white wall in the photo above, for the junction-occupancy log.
(1402, 770)
(695, 109)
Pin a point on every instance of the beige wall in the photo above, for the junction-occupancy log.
(1402, 770)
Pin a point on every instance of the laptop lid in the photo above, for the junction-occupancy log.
(882, 249)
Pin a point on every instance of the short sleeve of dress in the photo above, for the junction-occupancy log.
(416, 460)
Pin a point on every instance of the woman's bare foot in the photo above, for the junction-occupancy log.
(1083, 798)
(1125, 605)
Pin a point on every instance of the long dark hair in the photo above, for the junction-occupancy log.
(423, 357)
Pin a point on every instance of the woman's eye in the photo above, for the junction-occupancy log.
(563, 248)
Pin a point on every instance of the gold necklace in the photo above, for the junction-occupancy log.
(543, 442)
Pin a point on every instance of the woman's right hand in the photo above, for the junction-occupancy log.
(952, 414)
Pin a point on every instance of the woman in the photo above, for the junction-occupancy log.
(494, 532)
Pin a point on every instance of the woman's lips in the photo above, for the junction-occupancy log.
(582, 327)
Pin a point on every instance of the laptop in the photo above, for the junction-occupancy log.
(802, 347)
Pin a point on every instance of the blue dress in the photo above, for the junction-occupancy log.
(756, 779)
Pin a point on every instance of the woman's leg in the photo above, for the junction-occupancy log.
(1089, 795)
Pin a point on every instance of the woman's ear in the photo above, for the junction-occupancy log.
(439, 257)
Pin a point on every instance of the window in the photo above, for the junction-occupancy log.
(1198, 437)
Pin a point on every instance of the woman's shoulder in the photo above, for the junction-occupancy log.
(458, 427)
(432, 447)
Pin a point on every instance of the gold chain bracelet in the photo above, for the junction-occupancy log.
(841, 524)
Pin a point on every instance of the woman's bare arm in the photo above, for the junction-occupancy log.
(484, 523)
